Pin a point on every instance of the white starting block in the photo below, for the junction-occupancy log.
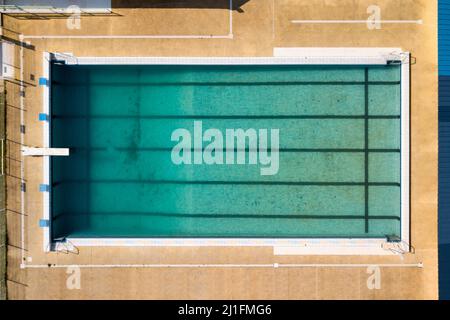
(41, 152)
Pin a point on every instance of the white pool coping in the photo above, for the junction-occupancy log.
(46, 144)
(302, 56)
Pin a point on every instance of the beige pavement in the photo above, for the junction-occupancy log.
(256, 29)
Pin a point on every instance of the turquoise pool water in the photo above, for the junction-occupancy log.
(339, 157)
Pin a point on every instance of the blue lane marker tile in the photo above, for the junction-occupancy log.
(44, 188)
(43, 81)
(43, 117)
(44, 223)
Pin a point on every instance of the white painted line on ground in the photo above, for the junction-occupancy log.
(273, 19)
(268, 265)
(228, 36)
(420, 21)
(22, 164)
(230, 32)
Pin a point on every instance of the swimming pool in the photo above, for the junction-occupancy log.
(339, 159)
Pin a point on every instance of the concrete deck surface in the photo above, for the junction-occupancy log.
(257, 27)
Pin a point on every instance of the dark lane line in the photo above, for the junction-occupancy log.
(240, 216)
(256, 183)
(228, 117)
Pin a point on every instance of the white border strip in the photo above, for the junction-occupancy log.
(342, 56)
(405, 148)
(276, 60)
(46, 144)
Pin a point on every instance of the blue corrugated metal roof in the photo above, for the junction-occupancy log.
(444, 148)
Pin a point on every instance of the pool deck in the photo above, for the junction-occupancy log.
(254, 30)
